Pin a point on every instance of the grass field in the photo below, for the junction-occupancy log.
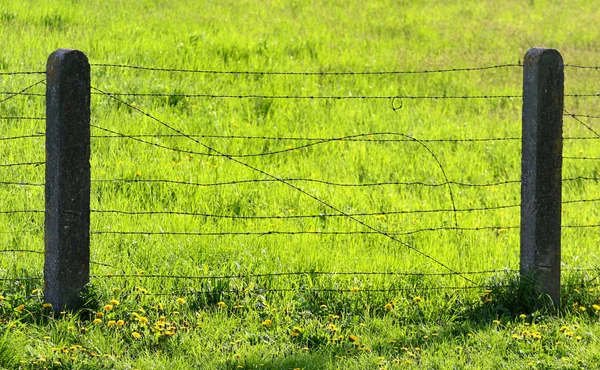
(263, 275)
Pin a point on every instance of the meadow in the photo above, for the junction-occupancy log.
(272, 256)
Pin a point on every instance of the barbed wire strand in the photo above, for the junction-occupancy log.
(13, 73)
(339, 290)
(321, 73)
(247, 137)
(300, 232)
(299, 273)
(22, 92)
(321, 215)
(16, 118)
(255, 169)
(22, 164)
(330, 183)
(313, 97)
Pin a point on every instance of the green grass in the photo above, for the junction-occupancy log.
(312, 320)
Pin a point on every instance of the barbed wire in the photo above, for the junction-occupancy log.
(264, 173)
(22, 164)
(309, 97)
(298, 273)
(331, 290)
(280, 151)
(284, 138)
(579, 115)
(325, 182)
(582, 158)
(13, 73)
(8, 138)
(321, 215)
(8, 118)
(22, 92)
(16, 93)
(575, 117)
(297, 138)
(20, 183)
(300, 232)
(580, 66)
(319, 73)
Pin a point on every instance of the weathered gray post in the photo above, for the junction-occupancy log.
(67, 223)
(541, 166)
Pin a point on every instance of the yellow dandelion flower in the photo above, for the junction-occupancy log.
(497, 322)
(108, 307)
(97, 321)
(581, 308)
(99, 314)
(352, 338)
(389, 306)
(417, 299)
(221, 305)
(143, 320)
(563, 328)
(20, 307)
(295, 334)
(522, 316)
(114, 302)
(120, 323)
(180, 301)
(136, 335)
(111, 323)
(47, 305)
(596, 307)
(267, 323)
(323, 306)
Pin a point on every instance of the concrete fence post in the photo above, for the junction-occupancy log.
(541, 166)
(67, 219)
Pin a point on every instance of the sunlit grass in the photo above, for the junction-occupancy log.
(316, 319)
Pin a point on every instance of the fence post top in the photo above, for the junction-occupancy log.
(533, 55)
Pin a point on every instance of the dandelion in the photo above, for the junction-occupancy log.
(20, 307)
(111, 323)
(563, 328)
(120, 323)
(97, 321)
(114, 302)
(596, 307)
(143, 320)
(352, 338)
(389, 306)
(323, 306)
(266, 323)
(417, 299)
(47, 305)
(221, 305)
(180, 301)
(522, 316)
(136, 335)
(497, 322)
(99, 314)
(582, 308)
(108, 307)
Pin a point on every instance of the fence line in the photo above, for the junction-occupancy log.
(446, 70)
(317, 141)
(310, 97)
(262, 172)
(284, 138)
(22, 92)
